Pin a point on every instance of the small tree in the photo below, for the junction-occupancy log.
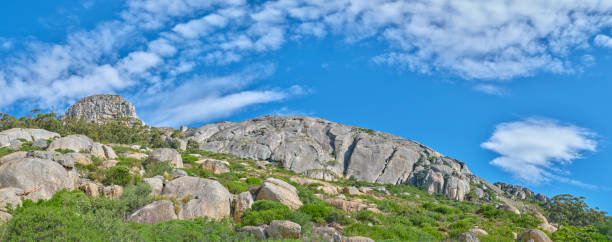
(574, 211)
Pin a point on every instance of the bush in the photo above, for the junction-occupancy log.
(119, 175)
(263, 211)
(157, 168)
(254, 181)
(323, 212)
(236, 187)
(572, 233)
(565, 208)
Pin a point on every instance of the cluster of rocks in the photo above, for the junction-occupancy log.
(532, 235)
(100, 108)
(518, 192)
(283, 229)
(326, 150)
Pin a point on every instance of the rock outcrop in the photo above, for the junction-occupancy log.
(31, 135)
(166, 154)
(519, 192)
(284, 229)
(99, 108)
(327, 150)
(43, 177)
(201, 197)
(534, 235)
(156, 212)
(82, 143)
(279, 191)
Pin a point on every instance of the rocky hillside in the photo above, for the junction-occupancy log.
(269, 178)
(326, 150)
(98, 108)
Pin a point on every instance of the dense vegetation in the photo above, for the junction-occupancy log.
(406, 214)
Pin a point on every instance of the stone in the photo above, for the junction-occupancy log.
(357, 239)
(100, 108)
(80, 158)
(156, 212)
(347, 206)
(540, 217)
(243, 202)
(542, 198)
(15, 144)
(327, 150)
(107, 164)
(79, 144)
(64, 160)
(478, 231)
(40, 143)
(468, 237)
(510, 208)
(209, 197)
(215, 166)
(4, 217)
(279, 191)
(479, 193)
(534, 235)
(183, 128)
(113, 191)
(156, 185)
(284, 229)
(90, 189)
(178, 173)
(166, 154)
(547, 227)
(109, 152)
(13, 156)
(138, 156)
(42, 177)
(259, 232)
(8, 197)
(30, 135)
(327, 234)
(351, 191)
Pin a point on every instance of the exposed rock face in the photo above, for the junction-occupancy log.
(279, 191)
(259, 232)
(518, 192)
(156, 185)
(215, 166)
(324, 149)
(8, 196)
(535, 236)
(29, 173)
(206, 197)
(166, 154)
(80, 143)
(284, 229)
(28, 134)
(99, 108)
(156, 212)
(468, 237)
(243, 202)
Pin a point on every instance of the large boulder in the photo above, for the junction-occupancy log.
(42, 177)
(100, 108)
(215, 166)
(166, 154)
(548, 227)
(156, 212)
(31, 135)
(259, 232)
(284, 229)
(82, 143)
(156, 185)
(279, 191)
(64, 160)
(468, 237)
(201, 197)
(328, 150)
(534, 235)
(13, 156)
(9, 198)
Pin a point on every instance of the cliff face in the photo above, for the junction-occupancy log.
(327, 150)
(99, 108)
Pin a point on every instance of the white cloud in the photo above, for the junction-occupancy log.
(490, 89)
(155, 43)
(536, 150)
(603, 40)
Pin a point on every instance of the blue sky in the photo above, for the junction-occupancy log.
(518, 90)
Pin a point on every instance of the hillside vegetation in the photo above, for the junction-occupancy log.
(339, 210)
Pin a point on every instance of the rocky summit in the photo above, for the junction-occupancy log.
(99, 108)
(326, 150)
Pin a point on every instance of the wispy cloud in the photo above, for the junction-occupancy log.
(536, 150)
(490, 89)
(153, 44)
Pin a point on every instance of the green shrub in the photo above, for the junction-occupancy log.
(263, 211)
(572, 233)
(199, 172)
(236, 187)
(119, 175)
(157, 168)
(189, 159)
(64, 151)
(323, 212)
(605, 228)
(254, 181)
(129, 162)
